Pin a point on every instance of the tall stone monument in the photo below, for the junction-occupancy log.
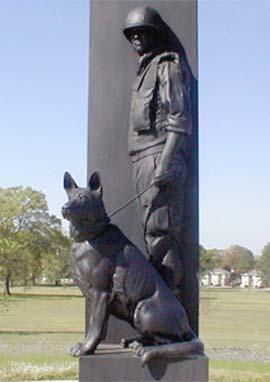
(112, 73)
(113, 68)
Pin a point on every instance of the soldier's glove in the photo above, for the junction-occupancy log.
(163, 179)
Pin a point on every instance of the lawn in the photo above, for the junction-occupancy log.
(235, 327)
(38, 326)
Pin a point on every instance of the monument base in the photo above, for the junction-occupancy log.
(113, 364)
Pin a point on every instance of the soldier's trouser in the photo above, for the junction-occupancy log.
(162, 214)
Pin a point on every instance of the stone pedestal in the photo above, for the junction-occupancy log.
(119, 365)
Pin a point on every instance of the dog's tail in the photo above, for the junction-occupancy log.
(174, 350)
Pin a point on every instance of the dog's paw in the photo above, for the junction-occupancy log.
(76, 350)
(81, 348)
(138, 349)
(129, 343)
(134, 345)
(124, 342)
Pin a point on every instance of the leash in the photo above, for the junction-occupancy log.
(124, 205)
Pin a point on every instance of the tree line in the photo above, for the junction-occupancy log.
(32, 241)
(33, 244)
(237, 260)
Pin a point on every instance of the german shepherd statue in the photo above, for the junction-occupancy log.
(117, 279)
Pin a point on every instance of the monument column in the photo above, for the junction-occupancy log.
(112, 72)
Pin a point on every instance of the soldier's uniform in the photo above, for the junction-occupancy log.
(160, 104)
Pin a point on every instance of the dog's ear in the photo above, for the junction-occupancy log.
(69, 182)
(94, 183)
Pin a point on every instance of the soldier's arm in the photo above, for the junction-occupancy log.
(173, 142)
(174, 95)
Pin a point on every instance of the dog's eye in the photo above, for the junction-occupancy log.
(83, 199)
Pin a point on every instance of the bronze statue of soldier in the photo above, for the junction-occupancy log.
(160, 124)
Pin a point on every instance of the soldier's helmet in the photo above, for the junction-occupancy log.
(143, 17)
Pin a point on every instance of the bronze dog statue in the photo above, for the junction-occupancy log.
(117, 279)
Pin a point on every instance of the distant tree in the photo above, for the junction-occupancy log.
(58, 264)
(209, 259)
(26, 231)
(257, 260)
(9, 262)
(264, 265)
(238, 259)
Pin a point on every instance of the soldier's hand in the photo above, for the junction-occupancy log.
(162, 178)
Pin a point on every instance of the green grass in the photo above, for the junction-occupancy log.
(37, 356)
(235, 327)
(223, 375)
(38, 326)
(235, 317)
(243, 366)
(238, 371)
(43, 314)
(47, 290)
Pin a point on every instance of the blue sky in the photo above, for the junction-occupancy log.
(43, 109)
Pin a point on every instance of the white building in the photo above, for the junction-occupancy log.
(217, 278)
(252, 279)
(206, 279)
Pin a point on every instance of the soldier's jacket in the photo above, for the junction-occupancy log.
(160, 102)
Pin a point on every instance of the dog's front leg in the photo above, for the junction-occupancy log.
(97, 324)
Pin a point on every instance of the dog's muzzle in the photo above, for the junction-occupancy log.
(66, 212)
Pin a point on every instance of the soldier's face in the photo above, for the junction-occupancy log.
(142, 41)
